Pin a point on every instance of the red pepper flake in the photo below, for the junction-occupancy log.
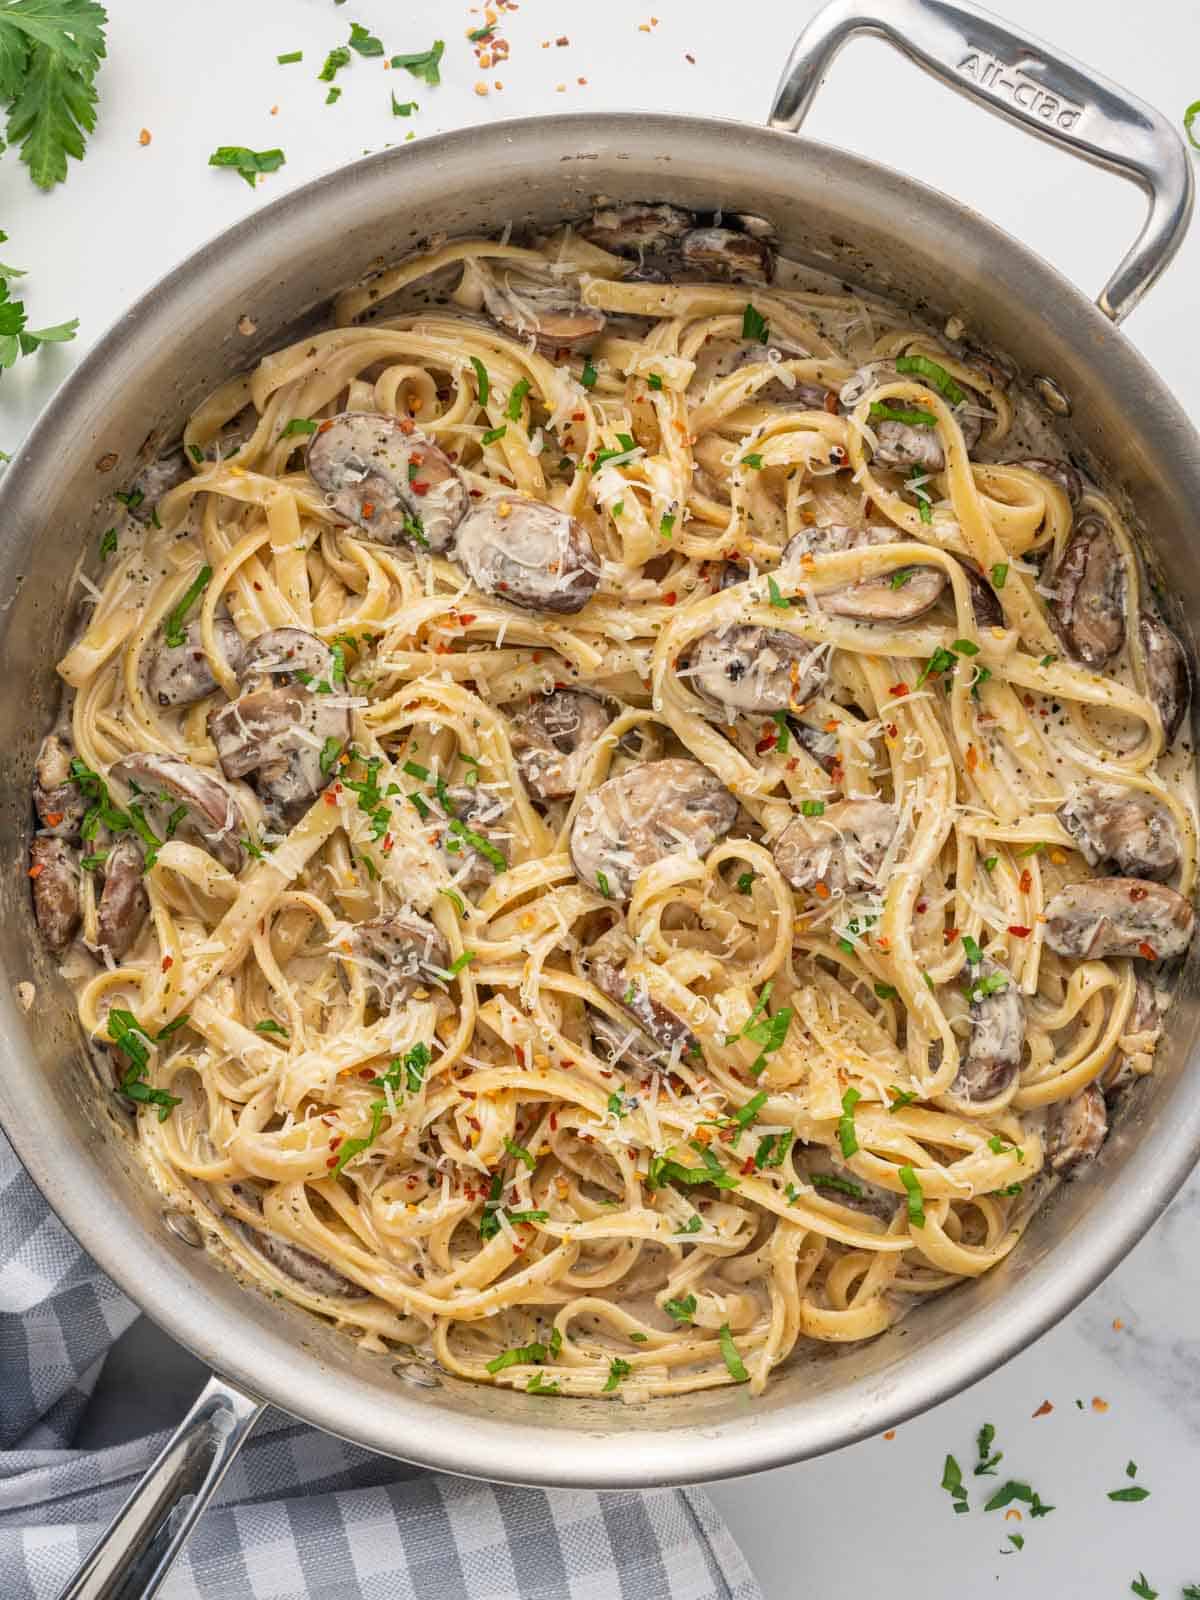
(419, 488)
(892, 730)
(898, 689)
(670, 598)
(747, 1167)
(332, 1162)
(368, 1073)
(792, 764)
(325, 426)
(330, 799)
(972, 758)
(388, 844)
(831, 402)
(836, 773)
(1044, 1409)
(467, 618)
(407, 425)
(1147, 950)
(37, 869)
(767, 742)
(1026, 881)
(921, 905)
(890, 1434)
(167, 963)
(1019, 932)
(554, 1122)
(1098, 1404)
(53, 818)
(1138, 894)
(950, 935)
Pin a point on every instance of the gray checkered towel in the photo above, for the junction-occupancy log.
(301, 1515)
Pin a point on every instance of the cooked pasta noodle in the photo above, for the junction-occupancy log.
(645, 1136)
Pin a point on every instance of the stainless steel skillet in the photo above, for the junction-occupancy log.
(281, 267)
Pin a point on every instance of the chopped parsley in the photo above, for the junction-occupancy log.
(404, 108)
(108, 542)
(985, 1466)
(782, 741)
(753, 459)
(1133, 1493)
(667, 524)
(744, 882)
(754, 325)
(424, 63)
(616, 1105)
(517, 393)
(270, 1026)
(538, 1385)
(602, 885)
(936, 376)
(1010, 1491)
(292, 55)
(299, 425)
(814, 808)
(456, 900)
(493, 434)
(775, 596)
(663, 1171)
(133, 1041)
(952, 1482)
(247, 163)
(364, 42)
(519, 1153)
(999, 574)
(681, 1310)
(617, 1370)
(734, 1362)
(917, 479)
(847, 1134)
(589, 375)
(828, 1180)
(916, 1200)
(477, 842)
(173, 626)
(693, 1224)
(461, 963)
(911, 416)
(772, 1148)
(330, 751)
(527, 1354)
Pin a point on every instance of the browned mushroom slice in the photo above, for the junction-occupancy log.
(211, 812)
(916, 444)
(1088, 609)
(124, 903)
(281, 739)
(1067, 477)
(750, 669)
(985, 603)
(54, 868)
(1110, 822)
(637, 230)
(722, 253)
(1119, 917)
(993, 1055)
(385, 477)
(902, 596)
(1077, 1129)
(528, 553)
(398, 954)
(553, 738)
(622, 1043)
(57, 798)
(662, 1027)
(1168, 674)
(180, 675)
(548, 311)
(287, 654)
(154, 481)
(474, 813)
(842, 847)
(643, 815)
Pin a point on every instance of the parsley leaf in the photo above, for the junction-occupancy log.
(424, 63)
(617, 1370)
(737, 1367)
(847, 1136)
(365, 42)
(49, 56)
(1134, 1493)
(1141, 1588)
(754, 325)
(173, 626)
(681, 1310)
(953, 1485)
(248, 163)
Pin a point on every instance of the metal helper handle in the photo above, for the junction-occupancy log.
(1031, 84)
(137, 1550)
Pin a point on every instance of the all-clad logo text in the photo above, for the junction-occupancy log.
(989, 72)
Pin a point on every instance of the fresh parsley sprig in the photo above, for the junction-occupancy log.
(50, 52)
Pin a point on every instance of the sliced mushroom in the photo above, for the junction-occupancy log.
(546, 310)
(1119, 917)
(902, 596)
(637, 230)
(305, 1269)
(383, 476)
(745, 668)
(722, 253)
(54, 868)
(475, 811)
(155, 480)
(124, 904)
(286, 655)
(1088, 609)
(1067, 477)
(553, 738)
(1168, 674)
(1111, 822)
(280, 738)
(842, 848)
(179, 675)
(661, 1026)
(211, 812)
(985, 603)
(1077, 1129)
(398, 953)
(58, 800)
(622, 1043)
(645, 814)
(528, 553)
(993, 1055)
(916, 444)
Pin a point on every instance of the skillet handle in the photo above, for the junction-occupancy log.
(1018, 77)
(138, 1549)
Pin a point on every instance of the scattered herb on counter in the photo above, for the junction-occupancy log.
(1018, 1543)
(1140, 1587)
(337, 58)
(18, 340)
(247, 163)
(987, 1463)
(1190, 117)
(365, 42)
(49, 56)
(953, 1485)
(334, 95)
(1132, 1494)
(405, 108)
(424, 63)
(1010, 1491)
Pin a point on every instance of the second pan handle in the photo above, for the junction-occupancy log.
(1028, 82)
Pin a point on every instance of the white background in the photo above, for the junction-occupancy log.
(871, 1520)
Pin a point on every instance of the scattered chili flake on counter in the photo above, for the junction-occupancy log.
(1044, 1409)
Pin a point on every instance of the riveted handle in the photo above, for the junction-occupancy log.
(137, 1550)
(1030, 83)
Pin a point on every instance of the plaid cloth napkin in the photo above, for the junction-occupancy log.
(301, 1515)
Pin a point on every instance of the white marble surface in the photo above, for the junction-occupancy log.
(872, 1519)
